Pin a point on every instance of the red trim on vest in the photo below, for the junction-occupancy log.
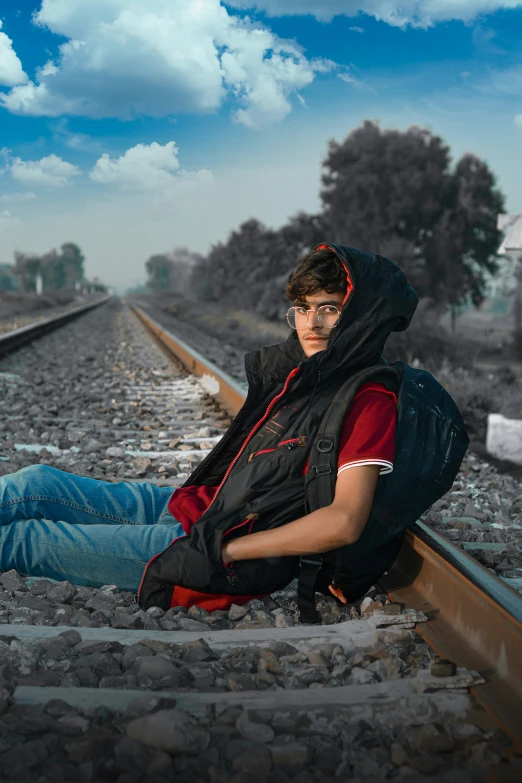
(182, 596)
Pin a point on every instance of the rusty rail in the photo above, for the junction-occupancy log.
(475, 618)
(228, 392)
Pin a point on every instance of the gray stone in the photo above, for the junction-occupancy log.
(203, 676)
(125, 620)
(101, 600)
(291, 757)
(317, 658)
(186, 624)
(240, 682)
(63, 615)
(115, 452)
(171, 730)
(197, 651)
(12, 580)
(155, 612)
(61, 593)
(282, 648)
(237, 612)
(310, 674)
(428, 739)
(154, 667)
(284, 621)
(252, 729)
(71, 637)
(143, 705)
(92, 646)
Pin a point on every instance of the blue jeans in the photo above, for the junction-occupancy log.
(89, 532)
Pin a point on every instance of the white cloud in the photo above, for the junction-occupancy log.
(147, 167)
(17, 198)
(357, 29)
(126, 58)
(51, 170)
(399, 13)
(11, 72)
(518, 120)
(353, 80)
(507, 82)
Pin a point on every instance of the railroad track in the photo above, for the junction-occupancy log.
(125, 695)
(11, 340)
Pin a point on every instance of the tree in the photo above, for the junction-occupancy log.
(171, 271)
(183, 263)
(394, 193)
(252, 265)
(383, 189)
(461, 251)
(294, 240)
(58, 270)
(159, 269)
(71, 261)
(53, 272)
(26, 268)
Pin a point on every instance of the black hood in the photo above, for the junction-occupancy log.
(381, 301)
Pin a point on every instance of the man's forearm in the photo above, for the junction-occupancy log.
(322, 530)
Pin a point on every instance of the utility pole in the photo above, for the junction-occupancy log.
(512, 247)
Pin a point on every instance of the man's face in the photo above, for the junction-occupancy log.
(314, 336)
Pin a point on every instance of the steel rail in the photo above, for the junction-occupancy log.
(227, 391)
(11, 341)
(475, 617)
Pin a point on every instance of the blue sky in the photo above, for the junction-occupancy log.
(133, 126)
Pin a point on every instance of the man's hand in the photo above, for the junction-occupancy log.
(327, 528)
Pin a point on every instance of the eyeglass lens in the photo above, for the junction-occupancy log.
(298, 317)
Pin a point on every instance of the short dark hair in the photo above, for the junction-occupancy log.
(320, 270)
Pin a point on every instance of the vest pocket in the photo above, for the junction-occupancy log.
(290, 443)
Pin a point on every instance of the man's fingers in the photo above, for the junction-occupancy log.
(338, 593)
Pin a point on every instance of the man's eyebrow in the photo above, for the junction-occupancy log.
(302, 303)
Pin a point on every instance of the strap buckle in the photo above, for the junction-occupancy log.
(324, 445)
(310, 561)
(321, 470)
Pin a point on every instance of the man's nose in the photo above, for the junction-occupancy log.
(313, 319)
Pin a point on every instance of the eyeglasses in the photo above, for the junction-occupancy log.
(327, 315)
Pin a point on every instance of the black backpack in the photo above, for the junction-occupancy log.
(431, 441)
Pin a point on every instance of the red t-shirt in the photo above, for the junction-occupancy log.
(367, 438)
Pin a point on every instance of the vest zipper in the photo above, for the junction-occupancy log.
(291, 443)
(229, 469)
(253, 432)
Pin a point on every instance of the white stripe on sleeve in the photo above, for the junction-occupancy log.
(387, 467)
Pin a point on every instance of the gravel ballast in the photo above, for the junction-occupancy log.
(100, 399)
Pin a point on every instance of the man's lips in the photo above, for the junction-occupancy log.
(315, 338)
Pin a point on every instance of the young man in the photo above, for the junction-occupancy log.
(92, 532)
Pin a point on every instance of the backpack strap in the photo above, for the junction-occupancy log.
(322, 473)
(309, 567)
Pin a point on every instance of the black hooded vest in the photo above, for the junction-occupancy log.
(258, 464)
